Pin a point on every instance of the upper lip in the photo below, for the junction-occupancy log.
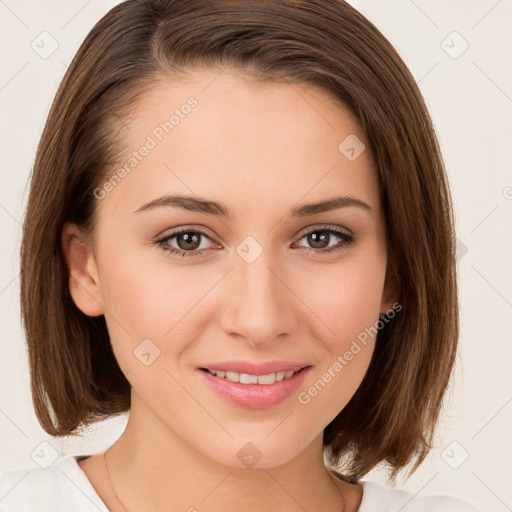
(252, 368)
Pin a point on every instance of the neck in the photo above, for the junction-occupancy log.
(163, 472)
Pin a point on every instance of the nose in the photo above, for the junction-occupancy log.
(258, 304)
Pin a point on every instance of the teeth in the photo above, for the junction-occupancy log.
(232, 376)
(245, 378)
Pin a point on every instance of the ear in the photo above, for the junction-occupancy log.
(390, 292)
(84, 284)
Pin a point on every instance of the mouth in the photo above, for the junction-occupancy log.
(247, 378)
(251, 391)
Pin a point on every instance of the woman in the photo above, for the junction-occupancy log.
(230, 234)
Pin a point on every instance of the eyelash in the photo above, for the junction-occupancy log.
(345, 237)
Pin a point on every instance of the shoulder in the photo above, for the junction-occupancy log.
(385, 499)
(59, 488)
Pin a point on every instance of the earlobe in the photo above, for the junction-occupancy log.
(84, 285)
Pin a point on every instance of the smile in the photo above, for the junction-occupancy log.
(254, 391)
(245, 378)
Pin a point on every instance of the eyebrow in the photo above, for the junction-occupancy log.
(198, 204)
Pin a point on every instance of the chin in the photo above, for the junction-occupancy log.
(257, 452)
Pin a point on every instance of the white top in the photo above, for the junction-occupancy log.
(64, 487)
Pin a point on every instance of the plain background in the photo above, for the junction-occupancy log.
(469, 94)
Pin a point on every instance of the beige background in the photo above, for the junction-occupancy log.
(469, 94)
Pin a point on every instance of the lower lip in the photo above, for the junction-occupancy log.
(255, 396)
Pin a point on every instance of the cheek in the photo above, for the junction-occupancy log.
(348, 299)
(144, 301)
(349, 304)
(149, 296)
(351, 312)
(328, 390)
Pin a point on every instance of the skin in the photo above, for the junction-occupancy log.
(262, 149)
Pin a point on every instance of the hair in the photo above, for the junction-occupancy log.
(75, 378)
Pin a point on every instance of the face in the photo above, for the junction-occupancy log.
(253, 278)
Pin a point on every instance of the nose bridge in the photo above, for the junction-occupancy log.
(259, 305)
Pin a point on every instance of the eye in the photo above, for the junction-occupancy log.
(321, 238)
(189, 241)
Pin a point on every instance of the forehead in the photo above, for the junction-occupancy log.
(216, 134)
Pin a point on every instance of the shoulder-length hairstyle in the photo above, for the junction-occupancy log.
(75, 378)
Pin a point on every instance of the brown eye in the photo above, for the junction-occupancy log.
(188, 240)
(318, 240)
(184, 242)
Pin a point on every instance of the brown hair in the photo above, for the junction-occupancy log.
(75, 379)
